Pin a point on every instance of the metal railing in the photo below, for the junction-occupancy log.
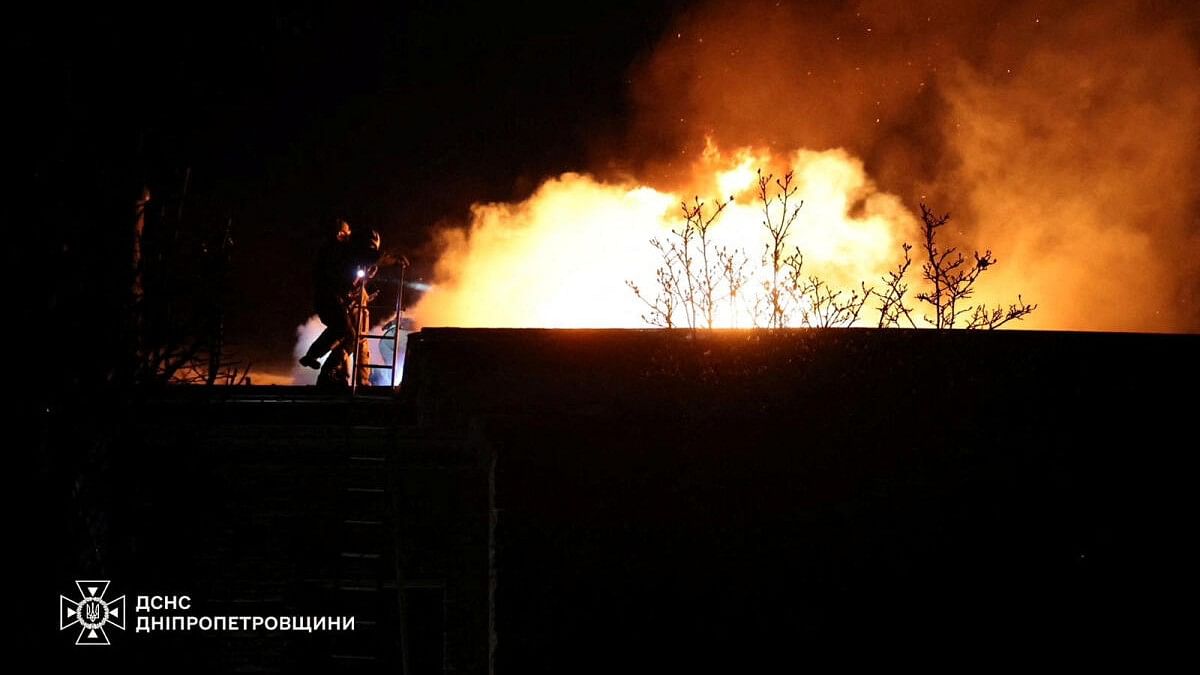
(361, 310)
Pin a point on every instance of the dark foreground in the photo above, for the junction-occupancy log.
(566, 501)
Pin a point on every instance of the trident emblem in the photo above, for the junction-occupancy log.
(91, 612)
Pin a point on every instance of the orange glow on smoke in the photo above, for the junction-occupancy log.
(1064, 137)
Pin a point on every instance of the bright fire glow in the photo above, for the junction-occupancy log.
(561, 258)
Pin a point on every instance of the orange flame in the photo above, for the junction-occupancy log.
(561, 257)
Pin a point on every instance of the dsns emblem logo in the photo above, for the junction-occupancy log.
(91, 612)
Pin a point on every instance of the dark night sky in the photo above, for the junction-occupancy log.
(399, 117)
(394, 117)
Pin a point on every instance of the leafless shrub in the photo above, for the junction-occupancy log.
(953, 280)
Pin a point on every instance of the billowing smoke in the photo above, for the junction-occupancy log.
(1083, 170)
(1065, 137)
(305, 334)
(380, 351)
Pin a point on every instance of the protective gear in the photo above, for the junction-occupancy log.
(346, 264)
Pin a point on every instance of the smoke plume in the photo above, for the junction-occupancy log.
(1065, 137)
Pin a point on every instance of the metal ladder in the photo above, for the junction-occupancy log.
(361, 310)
